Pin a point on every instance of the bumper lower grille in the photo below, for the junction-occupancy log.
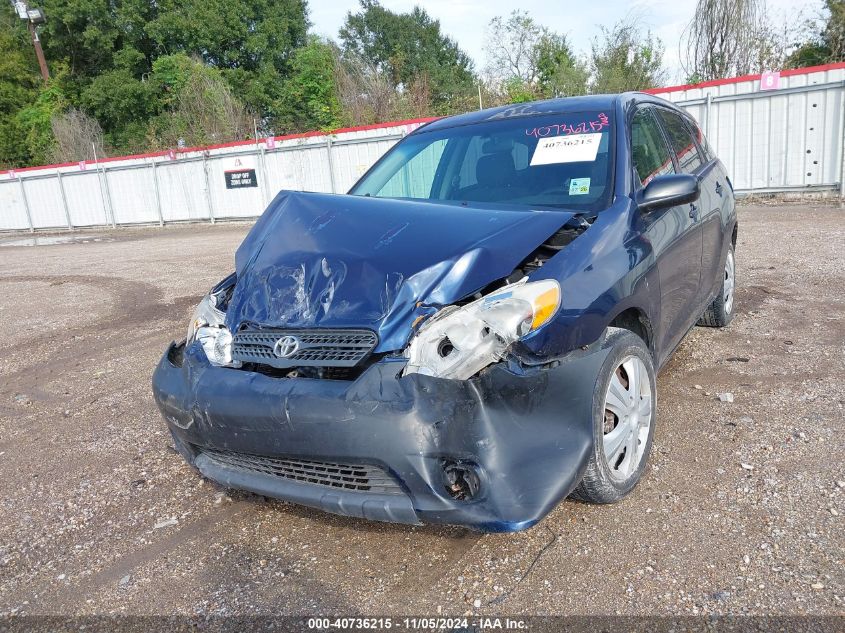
(354, 477)
(283, 348)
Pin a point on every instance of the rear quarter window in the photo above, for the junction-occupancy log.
(709, 154)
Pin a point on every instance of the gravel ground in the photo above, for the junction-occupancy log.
(740, 511)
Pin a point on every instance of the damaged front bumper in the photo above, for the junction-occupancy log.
(494, 453)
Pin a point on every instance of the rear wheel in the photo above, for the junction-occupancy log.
(623, 420)
(721, 311)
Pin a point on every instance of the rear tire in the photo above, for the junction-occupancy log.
(624, 411)
(721, 311)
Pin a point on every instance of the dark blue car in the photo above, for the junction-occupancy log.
(472, 333)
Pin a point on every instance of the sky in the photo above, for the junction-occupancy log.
(466, 20)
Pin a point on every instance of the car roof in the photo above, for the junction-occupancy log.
(544, 107)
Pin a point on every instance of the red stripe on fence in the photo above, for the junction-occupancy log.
(735, 80)
(187, 150)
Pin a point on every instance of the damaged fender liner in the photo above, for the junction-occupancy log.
(526, 437)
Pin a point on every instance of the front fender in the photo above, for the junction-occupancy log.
(608, 269)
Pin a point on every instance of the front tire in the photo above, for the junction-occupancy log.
(721, 311)
(624, 411)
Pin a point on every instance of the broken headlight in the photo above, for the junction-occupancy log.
(207, 327)
(458, 342)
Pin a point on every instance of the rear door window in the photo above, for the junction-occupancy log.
(651, 156)
(703, 145)
(680, 138)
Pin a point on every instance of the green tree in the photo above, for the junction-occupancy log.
(559, 71)
(19, 84)
(251, 41)
(824, 42)
(512, 47)
(623, 58)
(309, 96)
(34, 123)
(528, 61)
(121, 101)
(518, 91)
(85, 34)
(110, 46)
(198, 106)
(409, 47)
(232, 33)
(833, 35)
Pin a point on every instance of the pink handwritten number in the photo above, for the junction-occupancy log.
(568, 128)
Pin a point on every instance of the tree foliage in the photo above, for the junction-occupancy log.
(624, 58)
(824, 39)
(407, 48)
(232, 33)
(19, 83)
(34, 124)
(719, 36)
(366, 94)
(310, 98)
(130, 75)
(833, 33)
(104, 55)
(526, 61)
(560, 73)
(202, 109)
(513, 48)
(729, 38)
(78, 136)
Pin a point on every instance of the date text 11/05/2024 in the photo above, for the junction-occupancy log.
(418, 624)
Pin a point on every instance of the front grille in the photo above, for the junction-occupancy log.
(353, 477)
(312, 348)
(315, 373)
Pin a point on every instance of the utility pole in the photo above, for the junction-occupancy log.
(33, 18)
(39, 53)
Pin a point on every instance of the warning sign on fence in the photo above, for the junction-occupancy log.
(238, 178)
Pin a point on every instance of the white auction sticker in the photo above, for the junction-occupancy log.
(574, 148)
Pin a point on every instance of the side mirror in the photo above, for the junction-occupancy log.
(668, 191)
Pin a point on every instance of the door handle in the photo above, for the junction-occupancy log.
(719, 188)
(693, 212)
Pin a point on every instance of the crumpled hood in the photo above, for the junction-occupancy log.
(350, 261)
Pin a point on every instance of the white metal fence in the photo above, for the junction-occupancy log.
(784, 139)
(190, 185)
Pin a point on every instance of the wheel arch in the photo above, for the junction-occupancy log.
(636, 320)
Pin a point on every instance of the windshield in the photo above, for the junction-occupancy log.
(562, 160)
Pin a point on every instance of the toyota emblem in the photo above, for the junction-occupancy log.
(286, 346)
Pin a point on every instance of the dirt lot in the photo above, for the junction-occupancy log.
(741, 510)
